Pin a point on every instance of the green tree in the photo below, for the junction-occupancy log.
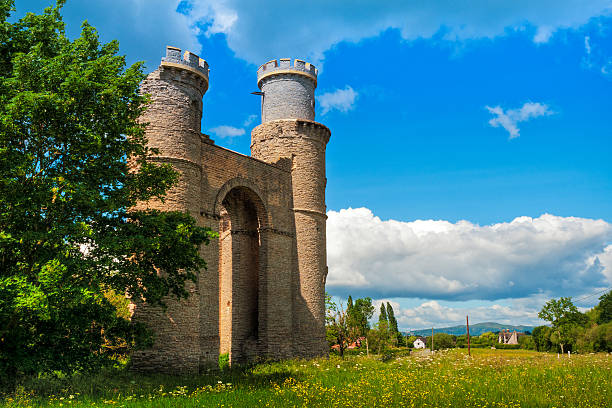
(410, 341)
(336, 324)
(526, 342)
(488, 339)
(382, 317)
(73, 165)
(441, 341)
(378, 337)
(541, 338)
(461, 341)
(605, 308)
(358, 316)
(394, 333)
(565, 319)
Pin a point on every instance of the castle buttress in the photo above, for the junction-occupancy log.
(263, 293)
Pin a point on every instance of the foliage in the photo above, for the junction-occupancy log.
(441, 341)
(397, 338)
(526, 342)
(605, 308)
(224, 361)
(378, 338)
(73, 164)
(491, 378)
(541, 338)
(566, 321)
(358, 314)
(381, 337)
(488, 339)
(410, 341)
(382, 316)
(336, 324)
(560, 312)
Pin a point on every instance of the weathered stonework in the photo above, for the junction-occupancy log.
(263, 293)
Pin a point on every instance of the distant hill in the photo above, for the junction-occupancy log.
(475, 329)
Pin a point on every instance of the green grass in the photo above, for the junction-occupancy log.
(491, 378)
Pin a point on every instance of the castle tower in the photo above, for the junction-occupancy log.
(174, 119)
(288, 131)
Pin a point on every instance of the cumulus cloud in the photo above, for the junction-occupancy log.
(227, 132)
(308, 29)
(143, 27)
(510, 118)
(258, 33)
(433, 314)
(342, 100)
(605, 260)
(429, 259)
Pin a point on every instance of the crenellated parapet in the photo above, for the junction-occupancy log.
(187, 61)
(285, 66)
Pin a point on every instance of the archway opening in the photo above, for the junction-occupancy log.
(240, 269)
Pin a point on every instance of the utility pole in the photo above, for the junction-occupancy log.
(467, 323)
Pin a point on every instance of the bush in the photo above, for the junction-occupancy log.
(224, 361)
(526, 342)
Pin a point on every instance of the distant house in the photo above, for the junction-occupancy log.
(505, 337)
(419, 343)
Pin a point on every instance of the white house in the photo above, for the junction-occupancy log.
(419, 343)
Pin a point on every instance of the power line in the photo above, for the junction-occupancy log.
(592, 294)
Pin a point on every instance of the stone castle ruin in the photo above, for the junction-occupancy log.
(263, 293)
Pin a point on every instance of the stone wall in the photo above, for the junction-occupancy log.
(304, 141)
(262, 293)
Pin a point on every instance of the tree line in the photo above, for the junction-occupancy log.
(572, 330)
(569, 329)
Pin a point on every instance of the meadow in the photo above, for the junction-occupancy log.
(490, 378)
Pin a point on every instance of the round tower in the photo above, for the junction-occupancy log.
(289, 132)
(173, 120)
(288, 90)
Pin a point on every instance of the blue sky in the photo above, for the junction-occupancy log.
(471, 140)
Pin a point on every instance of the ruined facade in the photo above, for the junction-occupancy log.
(262, 295)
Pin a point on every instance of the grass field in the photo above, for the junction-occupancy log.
(490, 378)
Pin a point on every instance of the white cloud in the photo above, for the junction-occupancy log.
(597, 55)
(605, 259)
(463, 261)
(510, 118)
(587, 45)
(143, 27)
(342, 100)
(229, 132)
(259, 32)
(432, 314)
(249, 120)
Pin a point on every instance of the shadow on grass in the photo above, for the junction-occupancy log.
(110, 383)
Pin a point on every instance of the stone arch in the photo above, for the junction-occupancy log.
(242, 265)
(255, 194)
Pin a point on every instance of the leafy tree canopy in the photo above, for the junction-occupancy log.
(73, 166)
(559, 312)
(605, 308)
(358, 315)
